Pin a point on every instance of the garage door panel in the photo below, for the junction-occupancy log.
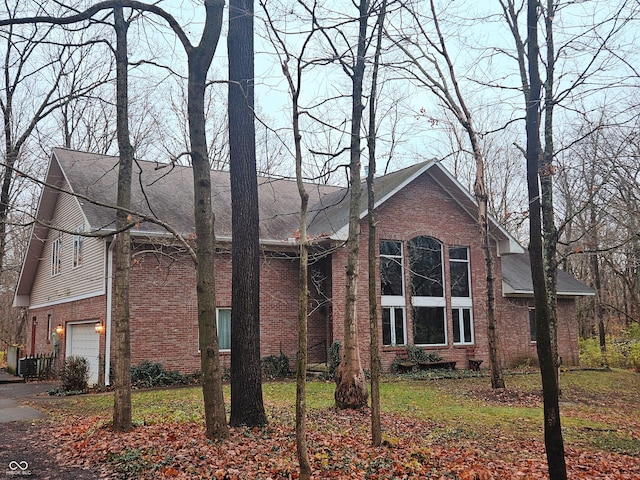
(84, 341)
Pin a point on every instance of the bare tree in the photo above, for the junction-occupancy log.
(29, 54)
(199, 61)
(374, 347)
(436, 71)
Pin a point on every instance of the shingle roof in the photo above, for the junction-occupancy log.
(166, 192)
(516, 278)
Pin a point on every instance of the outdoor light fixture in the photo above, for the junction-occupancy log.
(59, 329)
(99, 327)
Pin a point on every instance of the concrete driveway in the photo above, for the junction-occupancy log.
(12, 391)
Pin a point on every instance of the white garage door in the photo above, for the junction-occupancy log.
(84, 341)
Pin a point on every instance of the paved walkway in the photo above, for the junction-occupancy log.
(12, 390)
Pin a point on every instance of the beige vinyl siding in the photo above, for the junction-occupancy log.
(83, 281)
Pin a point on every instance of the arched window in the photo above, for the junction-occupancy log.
(425, 260)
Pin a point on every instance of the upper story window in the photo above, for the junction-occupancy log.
(391, 277)
(56, 256)
(459, 267)
(77, 248)
(425, 260)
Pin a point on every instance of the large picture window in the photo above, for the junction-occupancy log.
(393, 326)
(429, 326)
(391, 277)
(425, 256)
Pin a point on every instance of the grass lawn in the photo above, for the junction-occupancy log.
(433, 428)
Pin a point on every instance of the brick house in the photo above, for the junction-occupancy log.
(431, 268)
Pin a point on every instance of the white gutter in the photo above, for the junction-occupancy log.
(107, 346)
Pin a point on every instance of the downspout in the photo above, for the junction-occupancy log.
(107, 347)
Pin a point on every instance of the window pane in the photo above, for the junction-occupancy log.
(391, 276)
(386, 326)
(459, 279)
(390, 247)
(224, 328)
(425, 255)
(532, 325)
(466, 319)
(399, 320)
(456, 325)
(428, 326)
(459, 253)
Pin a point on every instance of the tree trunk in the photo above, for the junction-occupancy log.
(301, 367)
(351, 386)
(247, 407)
(552, 426)
(122, 365)
(199, 62)
(550, 232)
(374, 278)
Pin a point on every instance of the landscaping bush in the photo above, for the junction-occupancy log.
(148, 374)
(334, 359)
(415, 355)
(621, 353)
(523, 362)
(276, 366)
(75, 374)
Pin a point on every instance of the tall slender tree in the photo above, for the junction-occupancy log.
(374, 348)
(122, 365)
(351, 386)
(247, 407)
(552, 424)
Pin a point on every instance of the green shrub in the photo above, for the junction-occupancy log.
(75, 374)
(415, 355)
(633, 332)
(634, 356)
(590, 353)
(148, 375)
(623, 353)
(523, 362)
(276, 366)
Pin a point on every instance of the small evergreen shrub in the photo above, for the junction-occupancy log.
(75, 374)
(148, 375)
(276, 366)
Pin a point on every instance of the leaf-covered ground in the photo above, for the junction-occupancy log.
(339, 446)
(445, 429)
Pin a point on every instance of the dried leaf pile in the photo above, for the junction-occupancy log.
(339, 447)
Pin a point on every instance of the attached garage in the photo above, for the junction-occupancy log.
(84, 341)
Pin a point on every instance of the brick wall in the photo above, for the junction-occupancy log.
(164, 306)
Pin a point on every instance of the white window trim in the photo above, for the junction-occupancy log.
(218, 326)
(461, 324)
(400, 260)
(78, 244)
(56, 257)
(394, 342)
